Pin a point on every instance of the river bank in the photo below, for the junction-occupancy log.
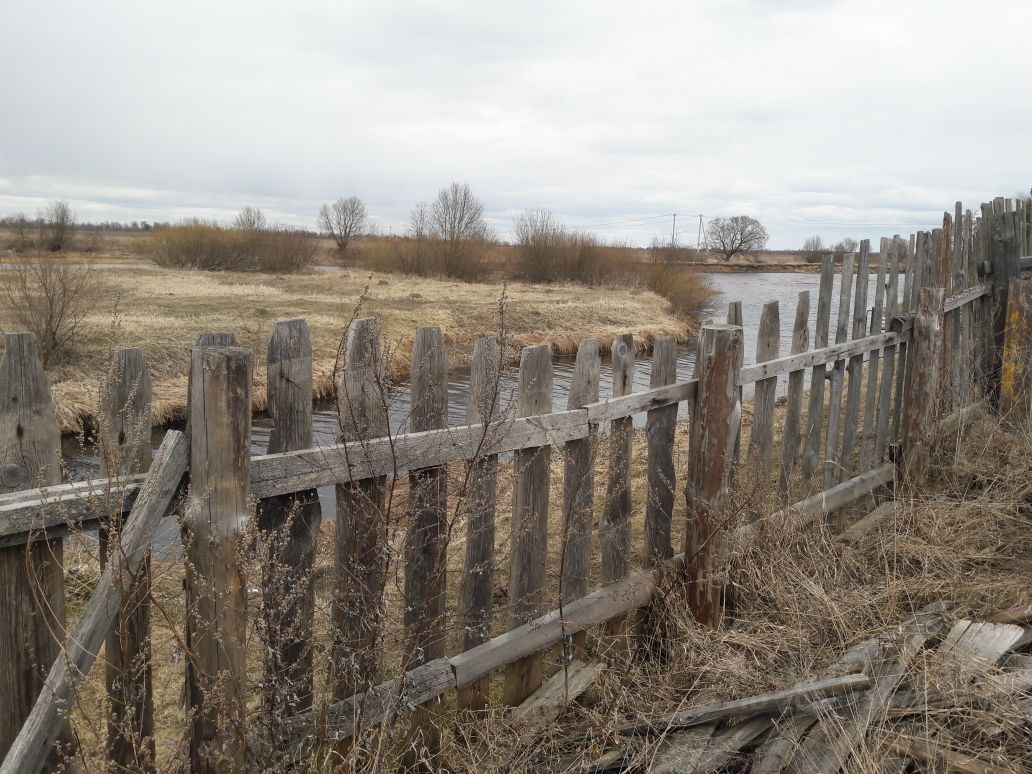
(162, 312)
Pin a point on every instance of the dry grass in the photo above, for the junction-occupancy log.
(801, 598)
(162, 312)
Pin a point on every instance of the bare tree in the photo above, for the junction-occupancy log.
(738, 234)
(250, 219)
(56, 224)
(342, 221)
(847, 245)
(814, 244)
(50, 298)
(458, 225)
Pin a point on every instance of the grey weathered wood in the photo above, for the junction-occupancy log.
(977, 644)
(794, 401)
(125, 419)
(815, 412)
(885, 256)
(734, 317)
(711, 458)
(529, 522)
(637, 402)
(561, 689)
(290, 526)
(614, 529)
(833, 451)
(220, 456)
(117, 584)
(360, 548)
(893, 353)
(906, 308)
(426, 539)
(32, 606)
(1016, 368)
(798, 698)
(660, 476)
(768, 345)
(855, 532)
(923, 394)
(820, 505)
(830, 745)
(856, 365)
(825, 355)
(960, 281)
(477, 587)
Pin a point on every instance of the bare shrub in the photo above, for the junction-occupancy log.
(250, 219)
(735, 235)
(198, 244)
(21, 229)
(814, 245)
(286, 251)
(538, 236)
(50, 298)
(689, 295)
(342, 221)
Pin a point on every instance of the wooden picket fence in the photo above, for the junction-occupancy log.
(946, 335)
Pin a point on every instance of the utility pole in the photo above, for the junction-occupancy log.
(673, 232)
(698, 243)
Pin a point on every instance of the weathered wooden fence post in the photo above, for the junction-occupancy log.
(815, 408)
(32, 605)
(920, 408)
(893, 353)
(614, 529)
(529, 521)
(833, 448)
(1016, 381)
(1003, 258)
(426, 539)
(855, 368)
(794, 401)
(290, 525)
(579, 485)
(711, 458)
(220, 465)
(768, 346)
(361, 549)
(478, 577)
(125, 416)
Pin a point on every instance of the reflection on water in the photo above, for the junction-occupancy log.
(752, 289)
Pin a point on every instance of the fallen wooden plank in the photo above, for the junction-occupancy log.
(832, 742)
(856, 531)
(966, 296)
(961, 418)
(31, 749)
(548, 701)
(716, 751)
(794, 699)
(929, 752)
(980, 641)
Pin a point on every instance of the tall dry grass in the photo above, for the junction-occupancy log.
(208, 245)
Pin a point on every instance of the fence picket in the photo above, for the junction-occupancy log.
(660, 426)
(768, 347)
(815, 410)
(529, 521)
(794, 402)
(874, 362)
(856, 365)
(832, 454)
(125, 418)
(477, 586)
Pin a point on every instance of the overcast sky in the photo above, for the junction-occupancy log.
(841, 118)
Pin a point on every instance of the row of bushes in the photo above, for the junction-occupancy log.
(197, 244)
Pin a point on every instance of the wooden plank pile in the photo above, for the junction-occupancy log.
(826, 724)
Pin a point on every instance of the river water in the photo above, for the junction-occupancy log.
(752, 289)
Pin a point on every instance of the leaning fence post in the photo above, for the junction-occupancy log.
(1016, 381)
(482, 475)
(714, 431)
(125, 413)
(290, 526)
(220, 465)
(32, 605)
(426, 539)
(1003, 260)
(920, 408)
(529, 521)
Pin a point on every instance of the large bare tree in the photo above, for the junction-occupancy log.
(343, 220)
(458, 225)
(738, 234)
(57, 224)
(250, 219)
